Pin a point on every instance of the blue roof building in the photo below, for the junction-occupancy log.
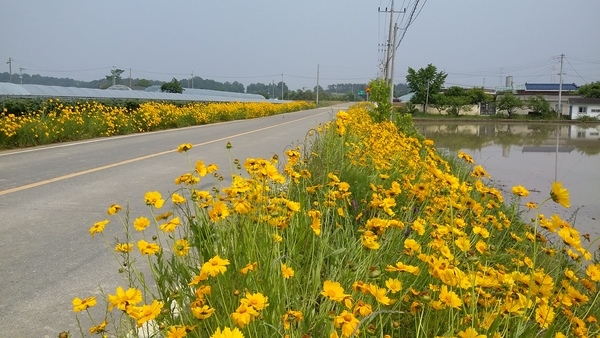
(550, 87)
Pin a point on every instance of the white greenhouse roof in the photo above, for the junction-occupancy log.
(30, 90)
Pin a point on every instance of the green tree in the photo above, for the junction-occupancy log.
(380, 94)
(457, 99)
(508, 102)
(172, 87)
(115, 76)
(539, 105)
(478, 95)
(425, 83)
(144, 83)
(590, 90)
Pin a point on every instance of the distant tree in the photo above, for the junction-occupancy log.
(590, 90)
(539, 105)
(425, 82)
(265, 90)
(478, 95)
(508, 102)
(143, 83)
(115, 76)
(456, 99)
(172, 87)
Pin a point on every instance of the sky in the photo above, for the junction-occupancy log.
(475, 42)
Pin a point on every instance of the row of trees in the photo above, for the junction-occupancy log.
(427, 86)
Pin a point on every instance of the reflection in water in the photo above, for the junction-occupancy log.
(533, 155)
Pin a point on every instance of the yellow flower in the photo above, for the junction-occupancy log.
(201, 168)
(379, 294)
(257, 300)
(369, 240)
(287, 271)
(202, 312)
(249, 267)
(218, 212)
(401, 267)
(470, 333)
(181, 247)
(177, 199)
(348, 322)
(450, 298)
(333, 291)
(544, 315)
(171, 225)
(463, 243)
(289, 316)
(99, 328)
(184, 147)
(141, 223)
(560, 195)
(98, 227)
(277, 238)
(154, 198)
(113, 209)
(124, 247)
(83, 304)
(227, 333)
(531, 205)
(243, 315)
(145, 313)
(466, 157)
(362, 309)
(123, 298)
(520, 190)
(394, 285)
(148, 248)
(215, 266)
(177, 332)
(478, 171)
(593, 271)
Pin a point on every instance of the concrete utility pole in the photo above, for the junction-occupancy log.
(392, 117)
(560, 87)
(391, 44)
(21, 74)
(10, 60)
(317, 84)
(192, 79)
(281, 86)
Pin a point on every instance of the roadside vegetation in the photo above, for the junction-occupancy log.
(35, 122)
(366, 231)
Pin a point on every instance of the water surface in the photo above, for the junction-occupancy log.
(534, 156)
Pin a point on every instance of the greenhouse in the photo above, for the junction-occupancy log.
(32, 91)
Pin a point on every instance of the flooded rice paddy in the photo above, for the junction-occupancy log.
(534, 156)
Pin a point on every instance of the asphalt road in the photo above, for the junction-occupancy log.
(50, 196)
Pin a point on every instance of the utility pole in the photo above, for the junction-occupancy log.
(10, 60)
(282, 86)
(114, 73)
(21, 74)
(392, 117)
(560, 87)
(129, 77)
(391, 45)
(317, 84)
(192, 79)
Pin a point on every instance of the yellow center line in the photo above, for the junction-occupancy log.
(89, 171)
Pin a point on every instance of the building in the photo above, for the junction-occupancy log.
(581, 106)
(547, 91)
